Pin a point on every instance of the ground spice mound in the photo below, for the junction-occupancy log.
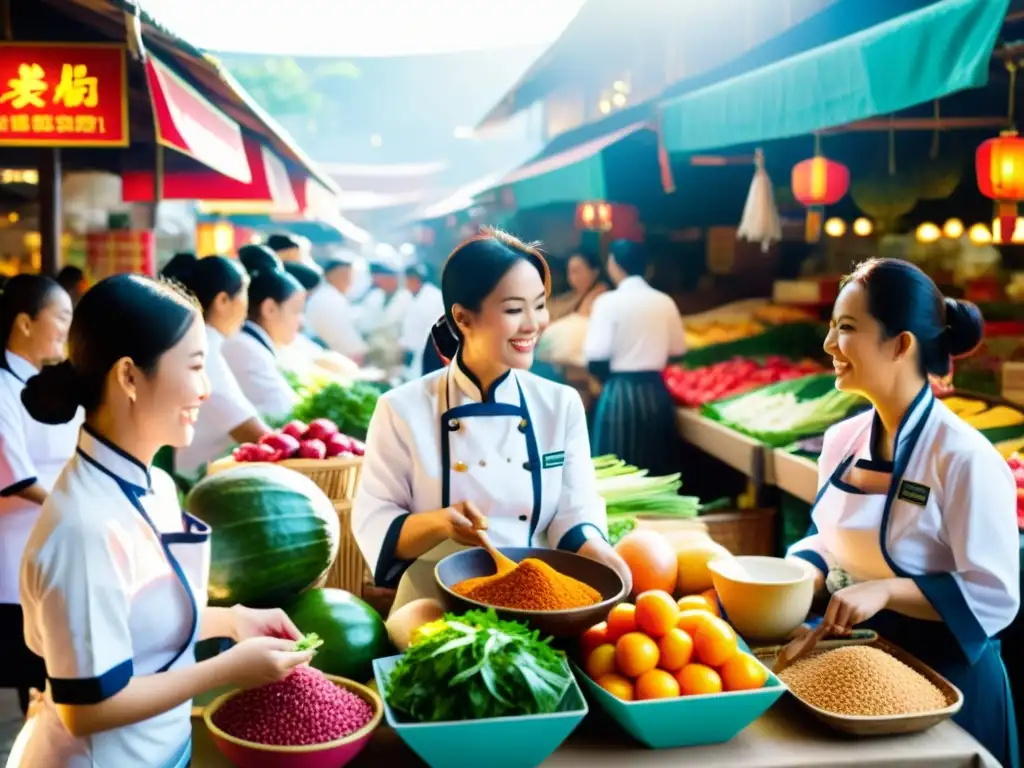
(304, 708)
(532, 586)
(858, 680)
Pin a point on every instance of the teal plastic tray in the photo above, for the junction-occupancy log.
(688, 721)
(500, 742)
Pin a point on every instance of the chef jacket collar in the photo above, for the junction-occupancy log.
(22, 369)
(631, 283)
(502, 390)
(115, 462)
(260, 331)
(917, 410)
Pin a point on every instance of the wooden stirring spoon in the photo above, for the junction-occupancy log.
(501, 562)
(796, 649)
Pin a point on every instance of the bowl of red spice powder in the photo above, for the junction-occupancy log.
(307, 720)
(558, 592)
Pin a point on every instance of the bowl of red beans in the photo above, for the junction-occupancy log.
(307, 720)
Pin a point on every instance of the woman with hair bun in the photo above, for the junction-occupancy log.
(113, 581)
(220, 285)
(914, 531)
(35, 314)
(276, 303)
(481, 444)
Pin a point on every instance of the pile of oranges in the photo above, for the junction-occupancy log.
(661, 648)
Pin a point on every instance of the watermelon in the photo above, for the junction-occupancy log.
(353, 633)
(275, 533)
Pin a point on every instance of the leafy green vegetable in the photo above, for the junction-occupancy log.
(350, 406)
(619, 528)
(309, 642)
(478, 666)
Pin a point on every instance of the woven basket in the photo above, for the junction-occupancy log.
(743, 531)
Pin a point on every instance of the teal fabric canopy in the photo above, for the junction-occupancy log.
(909, 60)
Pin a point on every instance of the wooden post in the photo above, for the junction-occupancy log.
(50, 210)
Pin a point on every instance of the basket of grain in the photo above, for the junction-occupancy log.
(869, 688)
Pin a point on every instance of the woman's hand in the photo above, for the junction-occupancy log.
(603, 552)
(273, 622)
(462, 521)
(856, 604)
(261, 660)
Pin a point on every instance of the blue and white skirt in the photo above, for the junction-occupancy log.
(635, 419)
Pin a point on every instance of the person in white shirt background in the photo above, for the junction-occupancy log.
(512, 454)
(634, 331)
(380, 319)
(329, 314)
(35, 314)
(276, 302)
(113, 581)
(221, 287)
(427, 306)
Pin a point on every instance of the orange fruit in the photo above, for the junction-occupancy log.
(636, 653)
(617, 686)
(695, 603)
(676, 649)
(691, 619)
(593, 637)
(715, 642)
(651, 560)
(712, 597)
(656, 613)
(601, 661)
(697, 679)
(743, 673)
(621, 620)
(656, 684)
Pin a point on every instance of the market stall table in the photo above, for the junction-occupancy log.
(785, 737)
(740, 452)
(796, 475)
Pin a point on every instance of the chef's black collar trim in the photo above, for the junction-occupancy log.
(134, 463)
(491, 393)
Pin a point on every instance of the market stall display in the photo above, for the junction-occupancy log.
(320, 439)
(349, 406)
(704, 334)
(797, 340)
(629, 491)
(694, 387)
(531, 585)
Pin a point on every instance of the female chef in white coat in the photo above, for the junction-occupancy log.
(35, 313)
(482, 443)
(916, 510)
(113, 582)
(220, 285)
(276, 303)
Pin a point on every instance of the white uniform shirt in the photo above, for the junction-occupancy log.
(950, 523)
(30, 452)
(427, 307)
(634, 328)
(498, 457)
(225, 409)
(330, 317)
(112, 584)
(253, 360)
(369, 308)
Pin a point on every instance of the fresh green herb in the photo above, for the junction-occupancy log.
(478, 666)
(308, 642)
(350, 406)
(619, 528)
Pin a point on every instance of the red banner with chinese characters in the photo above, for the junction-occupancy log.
(120, 251)
(63, 95)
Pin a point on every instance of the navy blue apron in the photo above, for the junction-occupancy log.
(635, 419)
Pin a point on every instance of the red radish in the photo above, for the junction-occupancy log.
(358, 448)
(248, 452)
(320, 429)
(338, 444)
(312, 449)
(286, 445)
(295, 428)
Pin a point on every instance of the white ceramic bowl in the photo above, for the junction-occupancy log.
(765, 598)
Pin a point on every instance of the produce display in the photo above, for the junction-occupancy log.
(659, 648)
(780, 314)
(320, 439)
(349, 406)
(303, 709)
(982, 416)
(532, 585)
(859, 680)
(679, 567)
(695, 387)
(277, 533)
(485, 668)
(353, 634)
(706, 333)
(628, 490)
(782, 413)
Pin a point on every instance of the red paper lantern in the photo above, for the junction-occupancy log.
(999, 165)
(818, 182)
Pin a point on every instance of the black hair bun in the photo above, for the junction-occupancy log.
(52, 396)
(964, 327)
(259, 259)
(181, 267)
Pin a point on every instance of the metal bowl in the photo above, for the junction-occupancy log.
(471, 563)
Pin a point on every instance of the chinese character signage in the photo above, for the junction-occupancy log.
(63, 95)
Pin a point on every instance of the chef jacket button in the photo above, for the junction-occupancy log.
(523, 424)
(526, 466)
(523, 518)
(453, 425)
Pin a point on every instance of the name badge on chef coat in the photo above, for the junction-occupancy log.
(552, 460)
(915, 493)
